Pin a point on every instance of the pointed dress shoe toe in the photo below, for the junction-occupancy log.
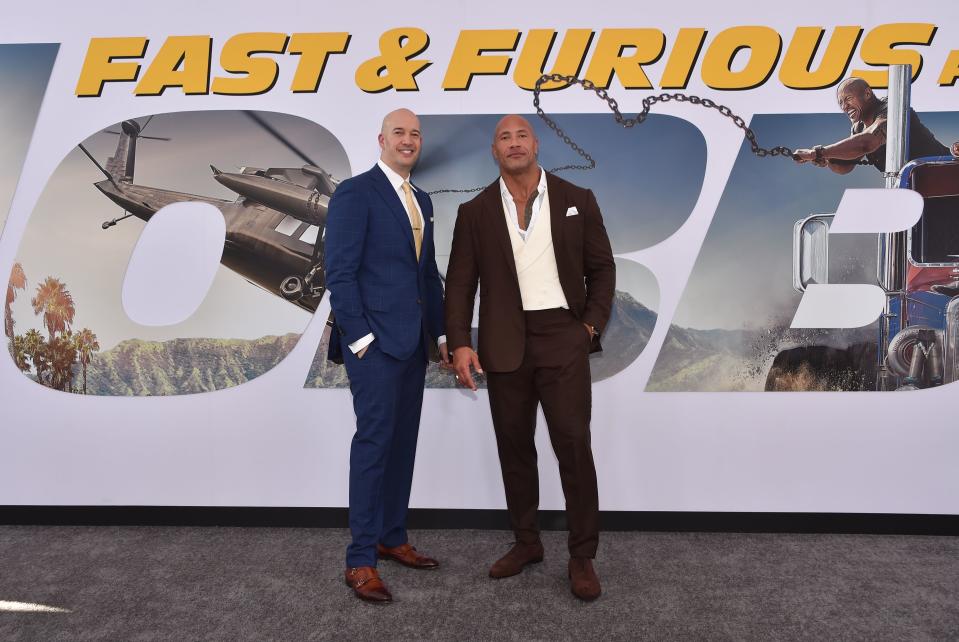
(367, 585)
(583, 581)
(407, 556)
(513, 562)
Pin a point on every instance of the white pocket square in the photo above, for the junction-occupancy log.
(572, 211)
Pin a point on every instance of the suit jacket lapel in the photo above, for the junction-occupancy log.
(392, 199)
(493, 204)
(557, 215)
(558, 205)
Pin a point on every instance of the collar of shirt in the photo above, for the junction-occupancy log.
(397, 182)
(510, 206)
(395, 179)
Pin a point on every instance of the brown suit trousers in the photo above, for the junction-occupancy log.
(555, 374)
(536, 357)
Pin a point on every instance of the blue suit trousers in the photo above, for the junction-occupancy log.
(387, 400)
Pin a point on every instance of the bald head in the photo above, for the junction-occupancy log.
(856, 99)
(854, 84)
(401, 115)
(513, 122)
(400, 141)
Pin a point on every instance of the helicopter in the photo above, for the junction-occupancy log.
(274, 228)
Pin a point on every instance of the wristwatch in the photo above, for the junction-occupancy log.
(592, 330)
(818, 149)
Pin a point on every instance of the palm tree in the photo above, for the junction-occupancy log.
(63, 356)
(55, 302)
(86, 344)
(19, 353)
(18, 281)
(35, 347)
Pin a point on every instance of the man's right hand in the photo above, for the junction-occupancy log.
(463, 358)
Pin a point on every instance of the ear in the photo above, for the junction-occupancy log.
(382, 140)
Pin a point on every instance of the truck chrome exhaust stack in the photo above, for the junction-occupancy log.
(891, 265)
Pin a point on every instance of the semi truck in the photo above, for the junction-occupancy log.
(917, 342)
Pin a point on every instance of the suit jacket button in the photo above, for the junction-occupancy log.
(419, 302)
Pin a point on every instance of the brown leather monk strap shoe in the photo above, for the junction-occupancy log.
(407, 556)
(583, 580)
(519, 556)
(367, 585)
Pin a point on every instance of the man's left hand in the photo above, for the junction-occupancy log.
(589, 330)
(955, 149)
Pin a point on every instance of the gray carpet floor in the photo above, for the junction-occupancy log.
(149, 583)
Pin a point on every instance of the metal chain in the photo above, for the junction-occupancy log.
(648, 102)
(457, 191)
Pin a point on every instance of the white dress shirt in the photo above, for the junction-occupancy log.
(533, 253)
(397, 182)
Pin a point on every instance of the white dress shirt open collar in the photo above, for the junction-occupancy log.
(510, 205)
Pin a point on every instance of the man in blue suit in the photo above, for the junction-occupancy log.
(387, 300)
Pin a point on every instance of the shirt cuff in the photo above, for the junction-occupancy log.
(361, 343)
(441, 340)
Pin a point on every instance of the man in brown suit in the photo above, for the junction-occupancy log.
(538, 249)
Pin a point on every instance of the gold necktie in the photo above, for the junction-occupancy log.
(415, 219)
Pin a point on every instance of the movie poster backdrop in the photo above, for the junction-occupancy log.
(164, 177)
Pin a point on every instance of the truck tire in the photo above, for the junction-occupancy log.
(899, 355)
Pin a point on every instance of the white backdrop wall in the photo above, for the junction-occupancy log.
(271, 442)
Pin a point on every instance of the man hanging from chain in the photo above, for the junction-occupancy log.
(866, 143)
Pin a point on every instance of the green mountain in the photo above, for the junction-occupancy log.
(183, 366)
(630, 325)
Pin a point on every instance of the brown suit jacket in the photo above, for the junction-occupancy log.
(482, 253)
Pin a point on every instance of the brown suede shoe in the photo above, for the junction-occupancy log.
(519, 556)
(367, 585)
(407, 556)
(583, 579)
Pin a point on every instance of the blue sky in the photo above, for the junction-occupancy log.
(647, 179)
(24, 72)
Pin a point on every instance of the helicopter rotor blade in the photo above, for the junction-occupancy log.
(110, 131)
(255, 117)
(144, 126)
